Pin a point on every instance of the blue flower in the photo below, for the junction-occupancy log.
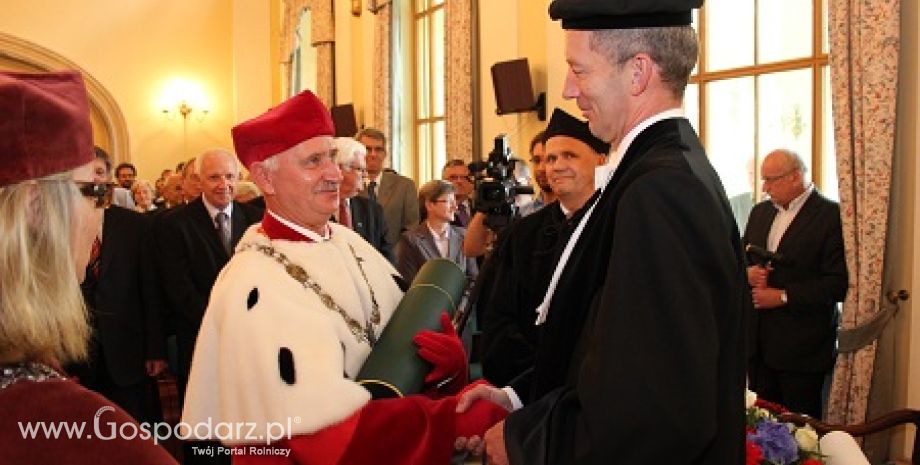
(776, 442)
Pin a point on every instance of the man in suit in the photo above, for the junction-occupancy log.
(128, 344)
(643, 357)
(395, 193)
(794, 329)
(195, 242)
(458, 173)
(363, 215)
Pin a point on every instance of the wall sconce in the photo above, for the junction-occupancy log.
(184, 109)
(184, 98)
(356, 7)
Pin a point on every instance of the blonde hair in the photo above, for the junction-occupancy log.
(42, 313)
(246, 191)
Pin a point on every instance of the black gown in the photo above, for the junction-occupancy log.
(524, 261)
(643, 352)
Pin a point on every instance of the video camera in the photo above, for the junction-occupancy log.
(496, 187)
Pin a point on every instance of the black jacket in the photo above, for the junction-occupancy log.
(643, 353)
(124, 301)
(524, 260)
(190, 257)
(367, 220)
(801, 335)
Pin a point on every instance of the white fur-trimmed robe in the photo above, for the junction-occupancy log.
(256, 309)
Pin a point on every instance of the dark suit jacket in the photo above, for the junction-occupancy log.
(801, 335)
(367, 220)
(190, 257)
(416, 246)
(643, 350)
(125, 301)
(399, 198)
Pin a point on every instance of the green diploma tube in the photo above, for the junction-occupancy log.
(393, 369)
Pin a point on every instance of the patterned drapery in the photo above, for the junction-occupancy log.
(459, 83)
(374, 6)
(322, 31)
(864, 44)
(380, 113)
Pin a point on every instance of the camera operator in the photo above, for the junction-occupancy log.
(479, 237)
(527, 250)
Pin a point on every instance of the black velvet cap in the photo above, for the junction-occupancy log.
(622, 14)
(564, 124)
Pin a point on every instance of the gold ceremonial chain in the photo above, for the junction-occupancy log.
(364, 334)
(375, 313)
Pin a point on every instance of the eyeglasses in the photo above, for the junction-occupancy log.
(447, 201)
(772, 179)
(101, 191)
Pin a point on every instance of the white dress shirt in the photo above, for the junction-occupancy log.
(213, 211)
(784, 217)
(441, 240)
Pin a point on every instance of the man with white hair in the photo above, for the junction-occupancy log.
(296, 312)
(361, 214)
(195, 242)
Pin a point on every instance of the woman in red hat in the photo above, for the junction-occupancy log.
(50, 216)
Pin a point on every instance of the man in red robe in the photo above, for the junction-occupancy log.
(296, 312)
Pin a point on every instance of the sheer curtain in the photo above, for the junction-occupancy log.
(322, 30)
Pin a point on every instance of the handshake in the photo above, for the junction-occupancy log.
(480, 407)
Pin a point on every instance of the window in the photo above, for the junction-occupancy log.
(303, 58)
(762, 83)
(429, 50)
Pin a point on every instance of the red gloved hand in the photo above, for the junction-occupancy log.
(479, 417)
(445, 352)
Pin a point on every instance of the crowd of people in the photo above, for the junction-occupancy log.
(615, 305)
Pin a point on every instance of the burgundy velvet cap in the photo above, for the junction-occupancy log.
(295, 120)
(44, 125)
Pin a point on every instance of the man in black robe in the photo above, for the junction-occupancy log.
(651, 286)
(528, 249)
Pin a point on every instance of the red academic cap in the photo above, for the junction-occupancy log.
(299, 118)
(44, 125)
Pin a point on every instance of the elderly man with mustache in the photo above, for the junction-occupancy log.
(296, 312)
